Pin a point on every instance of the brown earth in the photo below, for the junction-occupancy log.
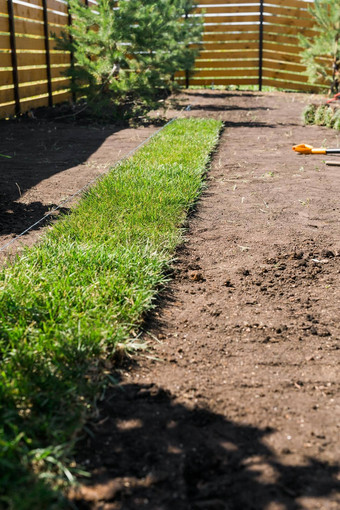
(235, 405)
(49, 162)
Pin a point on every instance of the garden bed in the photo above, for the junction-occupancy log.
(75, 301)
(48, 161)
(237, 405)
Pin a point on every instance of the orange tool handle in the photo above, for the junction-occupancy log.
(308, 149)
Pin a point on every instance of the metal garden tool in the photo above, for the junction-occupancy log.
(309, 149)
(333, 163)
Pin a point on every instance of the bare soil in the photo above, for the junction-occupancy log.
(49, 161)
(235, 405)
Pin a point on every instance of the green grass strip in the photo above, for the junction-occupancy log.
(68, 302)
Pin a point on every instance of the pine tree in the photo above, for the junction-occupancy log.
(322, 52)
(129, 55)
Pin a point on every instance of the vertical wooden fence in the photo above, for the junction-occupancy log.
(31, 69)
(245, 42)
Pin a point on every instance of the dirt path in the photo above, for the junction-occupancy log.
(237, 406)
(48, 162)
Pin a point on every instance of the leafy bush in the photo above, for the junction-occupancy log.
(336, 120)
(126, 57)
(325, 44)
(308, 114)
(328, 116)
(320, 115)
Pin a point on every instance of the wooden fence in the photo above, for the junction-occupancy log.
(245, 42)
(252, 42)
(31, 70)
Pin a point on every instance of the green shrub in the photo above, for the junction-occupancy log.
(308, 114)
(324, 43)
(320, 115)
(328, 116)
(126, 57)
(336, 120)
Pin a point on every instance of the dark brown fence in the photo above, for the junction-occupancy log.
(245, 43)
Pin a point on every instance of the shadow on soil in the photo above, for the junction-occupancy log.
(156, 453)
(223, 95)
(36, 150)
(228, 108)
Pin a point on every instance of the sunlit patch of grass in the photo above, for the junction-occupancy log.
(69, 301)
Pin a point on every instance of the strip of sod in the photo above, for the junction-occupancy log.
(68, 302)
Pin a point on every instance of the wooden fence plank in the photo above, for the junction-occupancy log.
(283, 57)
(28, 27)
(226, 2)
(3, 7)
(285, 66)
(29, 90)
(32, 12)
(226, 29)
(287, 50)
(288, 85)
(6, 78)
(225, 55)
(55, 5)
(244, 45)
(224, 73)
(227, 64)
(232, 19)
(5, 60)
(4, 27)
(253, 36)
(30, 43)
(278, 29)
(57, 19)
(281, 39)
(4, 43)
(300, 4)
(226, 10)
(292, 22)
(7, 95)
(37, 59)
(272, 73)
(7, 110)
(220, 81)
(289, 12)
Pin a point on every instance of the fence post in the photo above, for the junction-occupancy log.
(72, 55)
(14, 56)
(47, 52)
(261, 45)
(186, 71)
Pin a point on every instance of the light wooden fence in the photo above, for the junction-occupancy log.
(31, 70)
(245, 42)
(252, 42)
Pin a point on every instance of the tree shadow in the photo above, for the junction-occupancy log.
(20, 216)
(249, 124)
(35, 149)
(224, 94)
(148, 450)
(228, 108)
